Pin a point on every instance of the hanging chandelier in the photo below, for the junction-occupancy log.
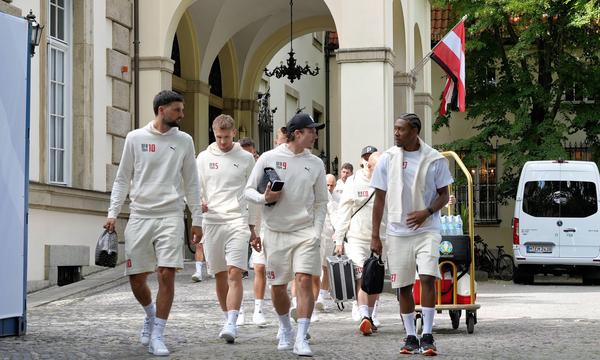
(291, 70)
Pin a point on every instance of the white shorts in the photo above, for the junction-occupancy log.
(327, 249)
(406, 253)
(358, 250)
(153, 242)
(225, 245)
(289, 253)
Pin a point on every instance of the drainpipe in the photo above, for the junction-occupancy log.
(136, 64)
(327, 122)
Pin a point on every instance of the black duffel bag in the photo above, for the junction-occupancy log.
(372, 275)
(107, 249)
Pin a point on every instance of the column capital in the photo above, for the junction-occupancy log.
(197, 86)
(405, 79)
(368, 54)
(157, 63)
(423, 98)
(239, 104)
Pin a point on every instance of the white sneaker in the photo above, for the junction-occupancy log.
(294, 313)
(314, 317)
(228, 333)
(285, 339)
(302, 348)
(197, 277)
(241, 320)
(258, 318)
(376, 321)
(320, 303)
(147, 330)
(157, 347)
(355, 312)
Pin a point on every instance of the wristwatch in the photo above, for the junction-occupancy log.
(430, 210)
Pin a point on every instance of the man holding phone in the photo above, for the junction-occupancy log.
(293, 225)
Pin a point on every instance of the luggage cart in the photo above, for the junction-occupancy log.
(454, 308)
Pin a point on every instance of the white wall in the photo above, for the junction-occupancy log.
(55, 228)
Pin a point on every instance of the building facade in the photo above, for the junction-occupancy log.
(101, 62)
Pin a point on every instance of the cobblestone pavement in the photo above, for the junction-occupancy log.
(540, 322)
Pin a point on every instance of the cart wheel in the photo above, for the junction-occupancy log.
(455, 317)
(470, 322)
(419, 323)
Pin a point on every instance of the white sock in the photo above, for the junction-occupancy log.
(294, 302)
(232, 316)
(303, 325)
(284, 322)
(371, 311)
(258, 303)
(374, 312)
(409, 323)
(150, 310)
(159, 328)
(428, 314)
(226, 315)
(199, 266)
(323, 293)
(363, 310)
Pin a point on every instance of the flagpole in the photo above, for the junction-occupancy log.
(424, 60)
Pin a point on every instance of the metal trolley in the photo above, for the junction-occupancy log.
(454, 308)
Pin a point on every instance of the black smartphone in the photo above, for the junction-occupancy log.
(277, 185)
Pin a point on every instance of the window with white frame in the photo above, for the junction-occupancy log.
(59, 91)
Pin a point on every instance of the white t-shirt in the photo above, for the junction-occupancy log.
(438, 176)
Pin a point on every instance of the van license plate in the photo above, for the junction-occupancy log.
(539, 249)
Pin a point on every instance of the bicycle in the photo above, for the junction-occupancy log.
(501, 265)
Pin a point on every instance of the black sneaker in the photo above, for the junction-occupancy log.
(428, 345)
(373, 327)
(411, 345)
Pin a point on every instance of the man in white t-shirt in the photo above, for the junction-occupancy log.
(293, 219)
(412, 180)
(158, 171)
(224, 168)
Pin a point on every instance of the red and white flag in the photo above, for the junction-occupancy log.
(449, 54)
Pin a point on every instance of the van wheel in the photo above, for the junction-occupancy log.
(522, 276)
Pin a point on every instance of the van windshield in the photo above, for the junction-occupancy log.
(566, 199)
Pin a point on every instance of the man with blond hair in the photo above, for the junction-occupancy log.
(224, 168)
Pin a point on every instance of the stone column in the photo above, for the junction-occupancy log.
(119, 71)
(155, 75)
(366, 98)
(244, 111)
(199, 92)
(83, 95)
(404, 89)
(423, 103)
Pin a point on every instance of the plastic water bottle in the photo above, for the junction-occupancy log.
(449, 225)
(444, 221)
(458, 225)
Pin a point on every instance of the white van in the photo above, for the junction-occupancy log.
(556, 227)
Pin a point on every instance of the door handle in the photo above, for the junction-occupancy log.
(569, 230)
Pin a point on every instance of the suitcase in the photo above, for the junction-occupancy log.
(341, 279)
